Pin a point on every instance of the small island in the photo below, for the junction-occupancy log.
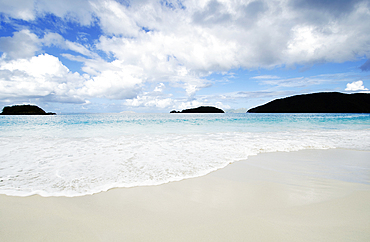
(202, 109)
(24, 110)
(324, 102)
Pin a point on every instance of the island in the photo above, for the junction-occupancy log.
(202, 109)
(24, 110)
(323, 102)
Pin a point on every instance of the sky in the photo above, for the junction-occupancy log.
(106, 56)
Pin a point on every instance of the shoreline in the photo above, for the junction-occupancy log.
(281, 196)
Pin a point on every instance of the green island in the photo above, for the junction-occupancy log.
(323, 102)
(202, 109)
(24, 110)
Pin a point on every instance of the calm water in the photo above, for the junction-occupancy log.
(74, 155)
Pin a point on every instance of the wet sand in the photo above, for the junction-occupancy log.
(309, 195)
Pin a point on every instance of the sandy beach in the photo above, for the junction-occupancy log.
(283, 196)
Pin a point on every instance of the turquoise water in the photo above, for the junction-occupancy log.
(119, 124)
(74, 155)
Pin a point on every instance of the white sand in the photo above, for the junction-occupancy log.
(270, 197)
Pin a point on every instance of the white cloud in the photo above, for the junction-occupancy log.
(306, 81)
(356, 86)
(157, 98)
(115, 19)
(20, 9)
(265, 77)
(294, 82)
(40, 76)
(150, 101)
(118, 82)
(28, 10)
(37, 66)
(54, 39)
(159, 88)
(215, 35)
(44, 76)
(80, 11)
(23, 44)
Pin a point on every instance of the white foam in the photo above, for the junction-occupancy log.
(76, 166)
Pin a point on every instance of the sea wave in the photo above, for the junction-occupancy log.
(77, 166)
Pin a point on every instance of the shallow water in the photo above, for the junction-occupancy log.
(74, 155)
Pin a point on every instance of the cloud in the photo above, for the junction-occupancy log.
(44, 76)
(294, 82)
(28, 10)
(116, 82)
(265, 77)
(80, 11)
(306, 81)
(157, 98)
(219, 35)
(356, 86)
(41, 76)
(115, 19)
(150, 101)
(42, 65)
(19, 9)
(23, 44)
(336, 8)
(54, 39)
(212, 14)
(214, 35)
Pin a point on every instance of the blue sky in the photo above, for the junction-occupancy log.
(156, 56)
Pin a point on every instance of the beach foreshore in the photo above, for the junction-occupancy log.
(308, 195)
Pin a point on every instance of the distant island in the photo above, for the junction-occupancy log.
(202, 109)
(324, 102)
(24, 110)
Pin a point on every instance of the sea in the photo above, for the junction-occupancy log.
(81, 154)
